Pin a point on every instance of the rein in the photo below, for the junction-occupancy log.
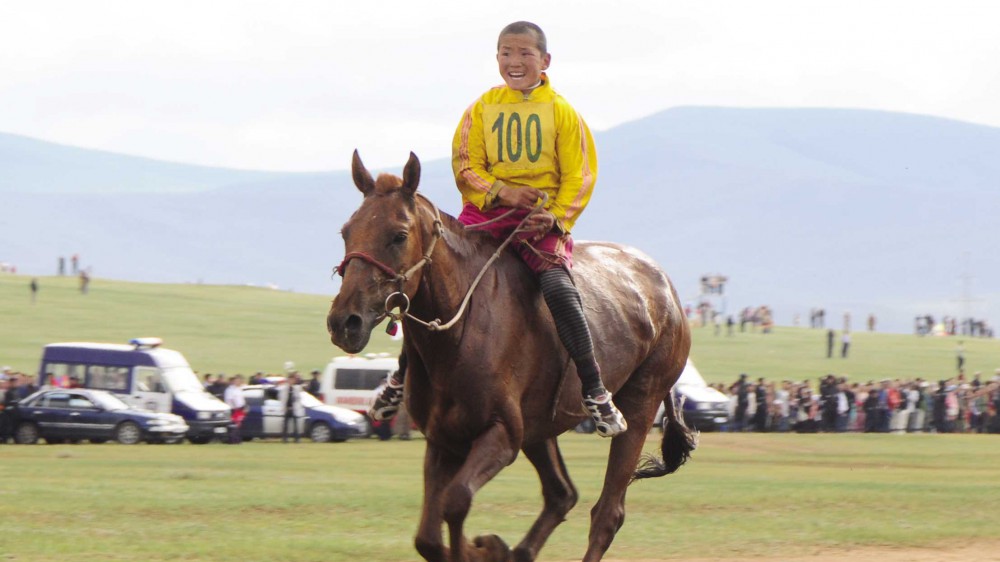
(401, 278)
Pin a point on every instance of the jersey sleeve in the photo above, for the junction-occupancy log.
(577, 167)
(469, 159)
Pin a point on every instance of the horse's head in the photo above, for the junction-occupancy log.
(383, 240)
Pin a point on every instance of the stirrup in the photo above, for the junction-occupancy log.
(608, 421)
(387, 403)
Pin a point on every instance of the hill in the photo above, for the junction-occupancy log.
(849, 210)
(246, 329)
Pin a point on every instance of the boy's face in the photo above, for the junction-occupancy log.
(521, 63)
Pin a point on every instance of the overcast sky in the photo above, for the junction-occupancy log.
(297, 85)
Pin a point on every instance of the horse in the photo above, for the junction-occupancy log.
(496, 380)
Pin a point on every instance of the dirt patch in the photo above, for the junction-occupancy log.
(980, 551)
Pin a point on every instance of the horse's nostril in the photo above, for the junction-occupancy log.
(353, 323)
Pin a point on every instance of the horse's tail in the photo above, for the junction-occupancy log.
(676, 446)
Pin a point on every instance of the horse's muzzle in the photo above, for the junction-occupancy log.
(349, 332)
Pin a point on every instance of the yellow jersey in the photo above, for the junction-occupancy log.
(507, 138)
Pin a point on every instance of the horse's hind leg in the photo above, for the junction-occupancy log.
(608, 514)
(559, 493)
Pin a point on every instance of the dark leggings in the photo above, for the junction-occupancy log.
(563, 299)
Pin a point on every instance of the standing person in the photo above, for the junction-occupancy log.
(761, 413)
(6, 428)
(829, 343)
(828, 403)
(34, 289)
(845, 344)
(741, 390)
(218, 388)
(313, 386)
(782, 397)
(84, 281)
(516, 144)
(238, 406)
(960, 356)
(290, 396)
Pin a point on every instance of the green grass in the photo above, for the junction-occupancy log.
(246, 329)
(218, 328)
(800, 353)
(741, 496)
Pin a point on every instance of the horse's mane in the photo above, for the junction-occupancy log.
(467, 242)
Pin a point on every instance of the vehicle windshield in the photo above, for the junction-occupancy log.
(691, 377)
(310, 401)
(109, 401)
(181, 379)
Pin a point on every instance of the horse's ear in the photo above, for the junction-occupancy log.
(411, 174)
(362, 178)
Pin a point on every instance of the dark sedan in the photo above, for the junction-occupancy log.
(73, 415)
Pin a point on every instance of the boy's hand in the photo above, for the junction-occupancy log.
(520, 197)
(541, 222)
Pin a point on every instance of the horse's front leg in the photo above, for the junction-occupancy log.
(490, 453)
(558, 491)
(439, 469)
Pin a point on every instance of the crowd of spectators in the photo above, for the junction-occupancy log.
(950, 326)
(954, 405)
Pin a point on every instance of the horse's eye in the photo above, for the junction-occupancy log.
(399, 238)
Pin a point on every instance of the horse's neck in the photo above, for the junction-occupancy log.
(458, 258)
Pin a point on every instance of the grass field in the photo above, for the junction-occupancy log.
(218, 328)
(743, 496)
(246, 329)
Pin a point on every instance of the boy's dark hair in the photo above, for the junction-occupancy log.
(520, 27)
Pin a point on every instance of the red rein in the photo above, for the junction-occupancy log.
(368, 258)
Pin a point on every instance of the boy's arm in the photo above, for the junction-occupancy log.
(469, 161)
(577, 164)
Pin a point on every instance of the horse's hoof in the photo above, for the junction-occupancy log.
(493, 548)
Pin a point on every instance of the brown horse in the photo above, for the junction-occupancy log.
(499, 380)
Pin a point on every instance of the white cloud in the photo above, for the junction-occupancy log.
(298, 85)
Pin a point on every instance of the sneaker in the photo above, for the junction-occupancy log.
(608, 421)
(387, 403)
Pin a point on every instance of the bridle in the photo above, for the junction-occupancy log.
(400, 278)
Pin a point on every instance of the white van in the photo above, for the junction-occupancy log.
(350, 382)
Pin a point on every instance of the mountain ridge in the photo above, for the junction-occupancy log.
(858, 210)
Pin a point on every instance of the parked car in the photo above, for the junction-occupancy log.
(322, 423)
(143, 374)
(703, 407)
(61, 415)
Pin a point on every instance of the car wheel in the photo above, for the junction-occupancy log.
(128, 433)
(26, 434)
(320, 432)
